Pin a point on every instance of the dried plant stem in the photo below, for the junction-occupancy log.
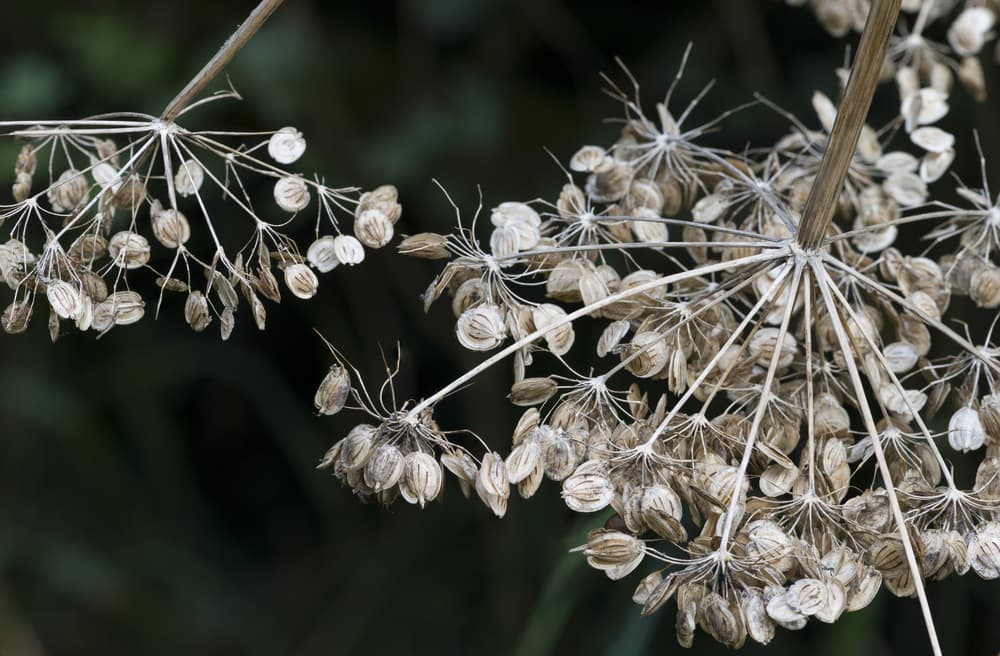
(843, 140)
(233, 44)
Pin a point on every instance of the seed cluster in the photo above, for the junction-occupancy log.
(94, 199)
(779, 430)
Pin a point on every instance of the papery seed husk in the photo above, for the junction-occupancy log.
(16, 316)
(189, 178)
(373, 228)
(291, 193)
(357, 447)
(69, 191)
(532, 391)
(333, 391)
(587, 491)
(286, 145)
(196, 311)
(301, 281)
(984, 550)
(171, 228)
(384, 467)
(64, 299)
(524, 458)
(129, 249)
(492, 484)
(425, 245)
(125, 307)
(422, 478)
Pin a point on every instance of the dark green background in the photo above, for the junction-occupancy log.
(157, 490)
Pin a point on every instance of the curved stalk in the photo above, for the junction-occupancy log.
(233, 44)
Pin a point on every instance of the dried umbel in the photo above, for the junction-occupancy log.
(132, 199)
(742, 384)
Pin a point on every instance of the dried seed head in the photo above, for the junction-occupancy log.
(69, 191)
(970, 74)
(588, 489)
(322, 254)
(426, 245)
(721, 620)
(613, 552)
(88, 247)
(286, 145)
(170, 227)
(965, 432)
(64, 298)
(759, 626)
(532, 391)
(333, 391)
(16, 316)
(291, 193)
(196, 311)
(22, 187)
(524, 458)
(989, 415)
(984, 550)
(26, 160)
(984, 287)
(523, 219)
(348, 250)
(591, 159)
(931, 139)
(384, 468)
(662, 511)
(900, 356)
(492, 484)
(504, 241)
(357, 447)
(128, 249)
(301, 281)
(463, 467)
(968, 33)
(373, 228)
(560, 335)
(422, 478)
(384, 199)
(189, 178)
(118, 309)
(481, 328)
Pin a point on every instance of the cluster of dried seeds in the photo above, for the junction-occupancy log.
(764, 425)
(93, 200)
(764, 428)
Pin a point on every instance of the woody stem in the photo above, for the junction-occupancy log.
(233, 44)
(843, 140)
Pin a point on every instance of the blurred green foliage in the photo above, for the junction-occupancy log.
(157, 490)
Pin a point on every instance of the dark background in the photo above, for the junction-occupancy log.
(157, 490)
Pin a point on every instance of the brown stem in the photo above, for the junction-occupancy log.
(850, 119)
(233, 44)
